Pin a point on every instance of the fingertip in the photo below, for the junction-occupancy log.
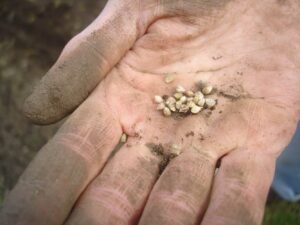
(37, 113)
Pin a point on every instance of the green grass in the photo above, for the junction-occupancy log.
(282, 213)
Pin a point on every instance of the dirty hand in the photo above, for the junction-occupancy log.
(248, 50)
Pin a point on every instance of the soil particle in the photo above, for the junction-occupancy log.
(201, 137)
(217, 57)
(128, 145)
(165, 97)
(191, 133)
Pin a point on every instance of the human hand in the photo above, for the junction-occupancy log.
(249, 52)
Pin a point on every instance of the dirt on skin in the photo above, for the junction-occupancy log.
(32, 35)
(164, 153)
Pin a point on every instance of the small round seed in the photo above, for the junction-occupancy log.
(209, 102)
(178, 95)
(207, 90)
(189, 99)
(170, 100)
(201, 102)
(180, 89)
(161, 106)
(169, 78)
(183, 99)
(158, 99)
(191, 104)
(196, 109)
(123, 138)
(196, 98)
(175, 149)
(189, 93)
(199, 94)
(178, 104)
(184, 108)
(167, 111)
(172, 108)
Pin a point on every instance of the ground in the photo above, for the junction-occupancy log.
(32, 33)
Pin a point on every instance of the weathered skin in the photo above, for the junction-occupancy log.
(249, 50)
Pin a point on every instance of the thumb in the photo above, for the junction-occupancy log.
(84, 62)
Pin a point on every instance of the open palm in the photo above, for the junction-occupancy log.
(249, 52)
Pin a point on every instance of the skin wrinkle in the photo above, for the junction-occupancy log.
(117, 202)
(249, 121)
(105, 63)
(115, 114)
(175, 201)
(82, 147)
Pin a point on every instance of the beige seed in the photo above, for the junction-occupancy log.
(180, 89)
(158, 99)
(175, 149)
(170, 101)
(169, 78)
(196, 109)
(183, 99)
(123, 138)
(189, 99)
(161, 106)
(184, 108)
(199, 94)
(196, 99)
(209, 102)
(178, 105)
(167, 111)
(201, 102)
(172, 108)
(207, 90)
(178, 95)
(191, 104)
(189, 93)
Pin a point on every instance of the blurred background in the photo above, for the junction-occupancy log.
(32, 34)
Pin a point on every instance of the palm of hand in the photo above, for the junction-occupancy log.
(254, 72)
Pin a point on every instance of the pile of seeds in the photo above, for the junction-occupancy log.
(185, 101)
